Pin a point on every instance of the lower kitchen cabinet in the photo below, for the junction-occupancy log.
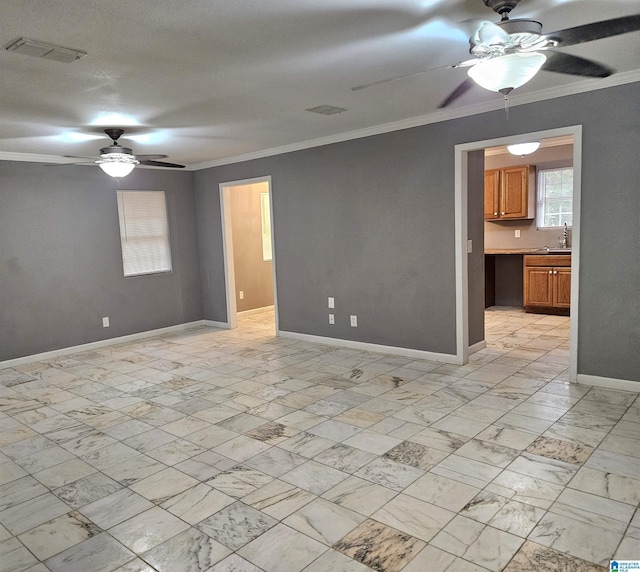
(547, 283)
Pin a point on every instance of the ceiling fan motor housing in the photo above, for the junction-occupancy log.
(112, 149)
(522, 31)
(502, 7)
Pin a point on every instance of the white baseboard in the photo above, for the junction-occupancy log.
(368, 347)
(609, 382)
(477, 346)
(104, 343)
(256, 310)
(212, 324)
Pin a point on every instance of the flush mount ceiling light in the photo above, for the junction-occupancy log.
(523, 148)
(508, 72)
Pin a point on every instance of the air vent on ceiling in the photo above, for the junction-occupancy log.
(44, 50)
(326, 109)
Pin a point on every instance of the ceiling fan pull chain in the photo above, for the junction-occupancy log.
(506, 91)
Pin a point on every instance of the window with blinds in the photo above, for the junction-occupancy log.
(144, 232)
(555, 197)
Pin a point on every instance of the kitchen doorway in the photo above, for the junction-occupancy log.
(527, 200)
(249, 254)
(469, 274)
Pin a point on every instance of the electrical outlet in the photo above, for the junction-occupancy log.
(331, 302)
(241, 294)
(105, 322)
(518, 233)
(332, 319)
(469, 246)
(354, 321)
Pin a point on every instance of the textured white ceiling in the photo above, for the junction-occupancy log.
(208, 79)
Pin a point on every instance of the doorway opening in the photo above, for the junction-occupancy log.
(249, 255)
(527, 258)
(501, 313)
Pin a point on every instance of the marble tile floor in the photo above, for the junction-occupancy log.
(217, 451)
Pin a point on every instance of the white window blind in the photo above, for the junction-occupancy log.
(555, 197)
(144, 232)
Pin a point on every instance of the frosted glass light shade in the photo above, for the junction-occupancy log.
(523, 148)
(507, 72)
(117, 164)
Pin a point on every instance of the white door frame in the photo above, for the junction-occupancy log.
(461, 193)
(227, 245)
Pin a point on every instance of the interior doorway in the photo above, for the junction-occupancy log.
(520, 245)
(249, 254)
(467, 273)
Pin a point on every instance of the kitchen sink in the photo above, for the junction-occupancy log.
(553, 250)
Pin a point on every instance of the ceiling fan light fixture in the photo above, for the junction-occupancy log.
(507, 72)
(117, 165)
(523, 149)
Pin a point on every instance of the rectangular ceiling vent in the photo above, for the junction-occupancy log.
(326, 109)
(44, 50)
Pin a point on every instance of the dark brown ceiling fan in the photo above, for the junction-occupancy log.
(119, 161)
(510, 52)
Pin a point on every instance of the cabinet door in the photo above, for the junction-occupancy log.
(562, 287)
(514, 193)
(491, 194)
(538, 286)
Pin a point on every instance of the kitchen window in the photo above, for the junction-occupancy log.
(144, 232)
(555, 197)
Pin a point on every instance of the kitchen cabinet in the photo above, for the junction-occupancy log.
(509, 193)
(547, 283)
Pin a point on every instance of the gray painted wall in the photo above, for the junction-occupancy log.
(354, 221)
(368, 221)
(371, 222)
(61, 263)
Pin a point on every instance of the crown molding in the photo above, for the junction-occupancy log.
(443, 115)
(436, 117)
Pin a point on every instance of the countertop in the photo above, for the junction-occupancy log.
(525, 251)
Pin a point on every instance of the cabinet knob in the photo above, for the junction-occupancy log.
(495, 214)
(555, 271)
(550, 272)
(503, 213)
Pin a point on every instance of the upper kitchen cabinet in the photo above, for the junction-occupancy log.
(509, 193)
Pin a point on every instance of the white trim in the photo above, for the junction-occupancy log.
(103, 343)
(256, 310)
(609, 382)
(227, 256)
(227, 245)
(575, 253)
(438, 116)
(213, 324)
(461, 259)
(461, 191)
(477, 347)
(368, 347)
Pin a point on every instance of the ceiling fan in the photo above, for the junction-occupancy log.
(118, 161)
(509, 53)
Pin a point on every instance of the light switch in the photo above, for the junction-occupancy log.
(331, 302)
(517, 233)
